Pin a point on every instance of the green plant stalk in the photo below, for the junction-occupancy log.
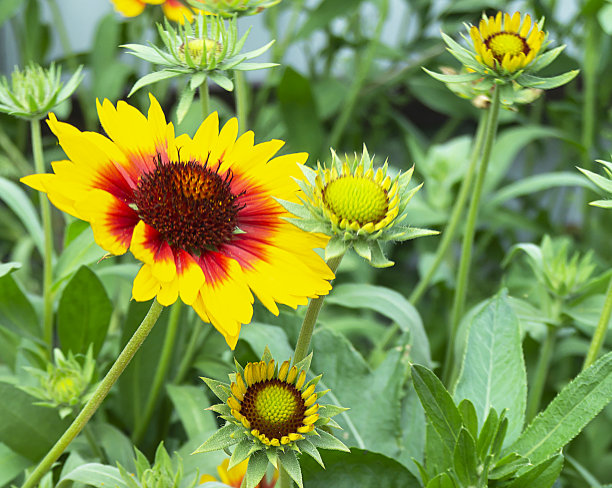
(539, 380)
(45, 209)
(98, 396)
(16, 157)
(242, 101)
(470, 228)
(600, 331)
(160, 373)
(359, 80)
(192, 344)
(310, 319)
(204, 99)
(284, 480)
(456, 214)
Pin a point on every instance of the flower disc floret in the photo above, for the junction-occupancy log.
(504, 43)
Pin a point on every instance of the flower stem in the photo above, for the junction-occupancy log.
(45, 208)
(541, 372)
(204, 99)
(160, 374)
(242, 101)
(284, 480)
(470, 228)
(310, 319)
(600, 331)
(354, 90)
(187, 357)
(453, 223)
(96, 400)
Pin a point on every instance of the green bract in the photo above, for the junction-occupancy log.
(229, 8)
(35, 91)
(204, 50)
(356, 206)
(272, 416)
(603, 182)
(65, 384)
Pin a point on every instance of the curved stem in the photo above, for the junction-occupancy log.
(204, 99)
(96, 400)
(470, 228)
(194, 341)
(310, 319)
(455, 218)
(45, 208)
(359, 80)
(600, 331)
(242, 101)
(284, 480)
(160, 374)
(541, 372)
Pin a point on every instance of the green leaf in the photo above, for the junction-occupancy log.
(535, 184)
(438, 405)
(220, 440)
(530, 81)
(218, 388)
(568, 413)
(82, 250)
(299, 113)
(8, 8)
(117, 447)
(16, 199)
(190, 403)
(359, 468)
(391, 304)
(326, 440)
(356, 386)
(11, 465)
(441, 481)
(543, 475)
(16, 312)
(154, 77)
(460, 78)
(469, 417)
(241, 452)
(493, 372)
(94, 474)
(256, 469)
(25, 428)
(258, 336)
(184, 103)
(464, 459)
(83, 314)
(221, 80)
(289, 461)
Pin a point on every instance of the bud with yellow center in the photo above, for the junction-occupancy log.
(272, 415)
(357, 206)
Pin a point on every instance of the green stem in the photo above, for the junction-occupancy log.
(455, 218)
(600, 331)
(96, 400)
(470, 228)
(310, 319)
(539, 380)
(355, 89)
(160, 374)
(45, 208)
(18, 160)
(95, 448)
(242, 101)
(284, 480)
(204, 99)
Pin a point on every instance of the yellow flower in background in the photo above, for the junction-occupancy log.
(233, 477)
(506, 42)
(201, 213)
(174, 10)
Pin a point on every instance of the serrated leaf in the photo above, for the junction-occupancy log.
(220, 389)
(241, 452)
(327, 441)
(568, 413)
(542, 475)
(309, 448)
(493, 371)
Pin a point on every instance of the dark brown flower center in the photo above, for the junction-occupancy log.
(189, 204)
(274, 408)
(503, 43)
